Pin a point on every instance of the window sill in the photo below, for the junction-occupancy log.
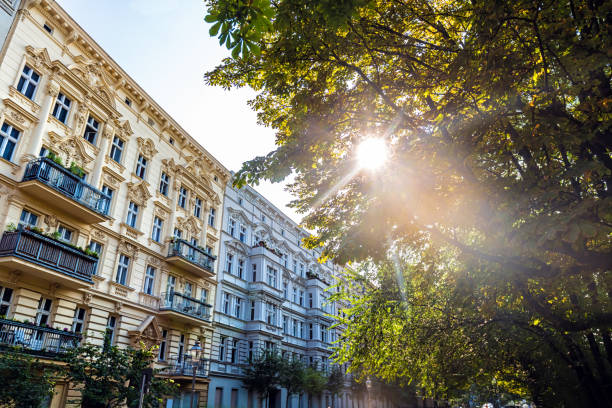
(14, 93)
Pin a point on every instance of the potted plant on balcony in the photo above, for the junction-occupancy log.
(77, 170)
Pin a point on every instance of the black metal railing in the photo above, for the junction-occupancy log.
(47, 252)
(43, 340)
(184, 366)
(191, 253)
(61, 179)
(185, 304)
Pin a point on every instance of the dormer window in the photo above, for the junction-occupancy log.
(127, 101)
(48, 28)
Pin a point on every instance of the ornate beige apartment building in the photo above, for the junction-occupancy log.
(90, 164)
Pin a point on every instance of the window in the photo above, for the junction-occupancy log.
(252, 310)
(162, 345)
(285, 290)
(9, 136)
(28, 82)
(254, 272)
(48, 28)
(171, 141)
(171, 284)
(270, 314)
(233, 348)
(324, 334)
(243, 231)
(204, 295)
(188, 289)
(141, 167)
(240, 201)
(164, 184)
(310, 300)
(182, 198)
(65, 234)
(177, 233)
(226, 303)
(78, 322)
(61, 108)
(91, 130)
(181, 347)
(43, 314)
(240, 268)
(109, 192)
(122, 269)
(294, 295)
(310, 331)
(149, 282)
(302, 270)
(301, 302)
(263, 218)
(127, 101)
(132, 215)
(209, 250)
(117, 149)
(301, 329)
(111, 329)
(294, 328)
(95, 247)
(222, 348)
(229, 259)
(285, 260)
(197, 207)
(211, 217)
(271, 276)
(6, 296)
(237, 307)
(294, 266)
(283, 232)
(157, 229)
(28, 219)
(232, 226)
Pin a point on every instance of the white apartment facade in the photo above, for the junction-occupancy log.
(272, 294)
(89, 162)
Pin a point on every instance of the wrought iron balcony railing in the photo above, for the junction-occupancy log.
(186, 305)
(41, 340)
(47, 252)
(57, 177)
(186, 250)
(183, 366)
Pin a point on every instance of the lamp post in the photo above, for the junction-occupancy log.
(369, 388)
(195, 352)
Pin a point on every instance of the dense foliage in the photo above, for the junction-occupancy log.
(27, 382)
(496, 195)
(112, 376)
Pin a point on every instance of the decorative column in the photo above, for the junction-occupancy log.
(35, 144)
(107, 134)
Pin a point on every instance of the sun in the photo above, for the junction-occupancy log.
(372, 153)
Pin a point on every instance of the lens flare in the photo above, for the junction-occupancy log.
(372, 154)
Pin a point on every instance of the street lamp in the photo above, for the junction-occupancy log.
(195, 352)
(369, 388)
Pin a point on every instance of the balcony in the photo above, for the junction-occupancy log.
(33, 253)
(184, 308)
(183, 367)
(189, 257)
(37, 340)
(58, 187)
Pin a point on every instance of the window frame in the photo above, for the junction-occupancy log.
(117, 145)
(9, 136)
(61, 107)
(27, 81)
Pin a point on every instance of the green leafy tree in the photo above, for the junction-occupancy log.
(292, 378)
(111, 376)
(27, 382)
(315, 383)
(497, 119)
(263, 374)
(335, 383)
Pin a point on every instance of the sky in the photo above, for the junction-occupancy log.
(165, 47)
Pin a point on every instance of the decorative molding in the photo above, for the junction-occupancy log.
(131, 232)
(191, 224)
(112, 178)
(128, 248)
(161, 210)
(99, 235)
(139, 193)
(38, 58)
(17, 114)
(51, 221)
(146, 147)
(73, 148)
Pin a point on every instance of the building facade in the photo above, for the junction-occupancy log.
(272, 294)
(110, 212)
